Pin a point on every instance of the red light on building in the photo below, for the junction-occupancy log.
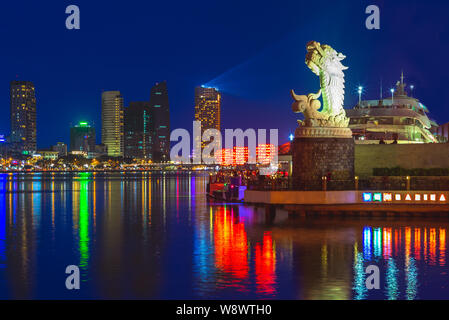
(224, 157)
(285, 148)
(219, 156)
(265, 153)
(240, 155)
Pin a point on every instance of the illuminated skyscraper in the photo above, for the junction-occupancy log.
(23, 116)
(207, 108)
(139, 131)
(82, 137)
(161, 120)
(112, 122)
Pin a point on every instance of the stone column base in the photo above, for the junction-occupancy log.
(315, 157)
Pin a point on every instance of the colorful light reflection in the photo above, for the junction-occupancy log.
(265, 265)
(231, 244)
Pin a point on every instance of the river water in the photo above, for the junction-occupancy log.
(155, 236)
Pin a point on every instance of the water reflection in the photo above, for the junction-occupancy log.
(359, 277)
(152, 235)
(230, 244)
(391, 286)
(405, 246)
(265, 261)
(3, 182)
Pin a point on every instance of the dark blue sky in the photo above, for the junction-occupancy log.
(251, 50)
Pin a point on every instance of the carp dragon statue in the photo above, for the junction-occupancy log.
(325, 62)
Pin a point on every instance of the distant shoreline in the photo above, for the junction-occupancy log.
(103, 171)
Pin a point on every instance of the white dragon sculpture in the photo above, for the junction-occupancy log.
(325, 62)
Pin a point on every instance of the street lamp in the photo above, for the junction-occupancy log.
(392, 95)
(360, 94)
(411, 89)
(291, 137)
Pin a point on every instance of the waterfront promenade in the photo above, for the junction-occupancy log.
(350, 200)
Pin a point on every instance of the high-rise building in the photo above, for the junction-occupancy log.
(23, 116)
(82, 137)
(112, 122)
(161, 115)
(207, 109)
(139, 130)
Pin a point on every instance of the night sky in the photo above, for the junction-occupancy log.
(253, 51)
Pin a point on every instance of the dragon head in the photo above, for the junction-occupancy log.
(324, 58)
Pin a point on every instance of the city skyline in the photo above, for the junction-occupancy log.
(158, 86)
(253, 64)
(139, 130)
(309, 161)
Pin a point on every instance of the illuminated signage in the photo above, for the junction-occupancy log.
(396, 197)
(367, 197)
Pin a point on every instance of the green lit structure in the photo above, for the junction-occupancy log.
(82, 137)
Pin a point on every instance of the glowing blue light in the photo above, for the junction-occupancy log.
(367, 197)
(367, 243)
(391, 286)
(207, 87)
(291, 137)
(359, 277)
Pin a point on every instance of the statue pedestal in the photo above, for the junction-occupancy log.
(321, 151)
